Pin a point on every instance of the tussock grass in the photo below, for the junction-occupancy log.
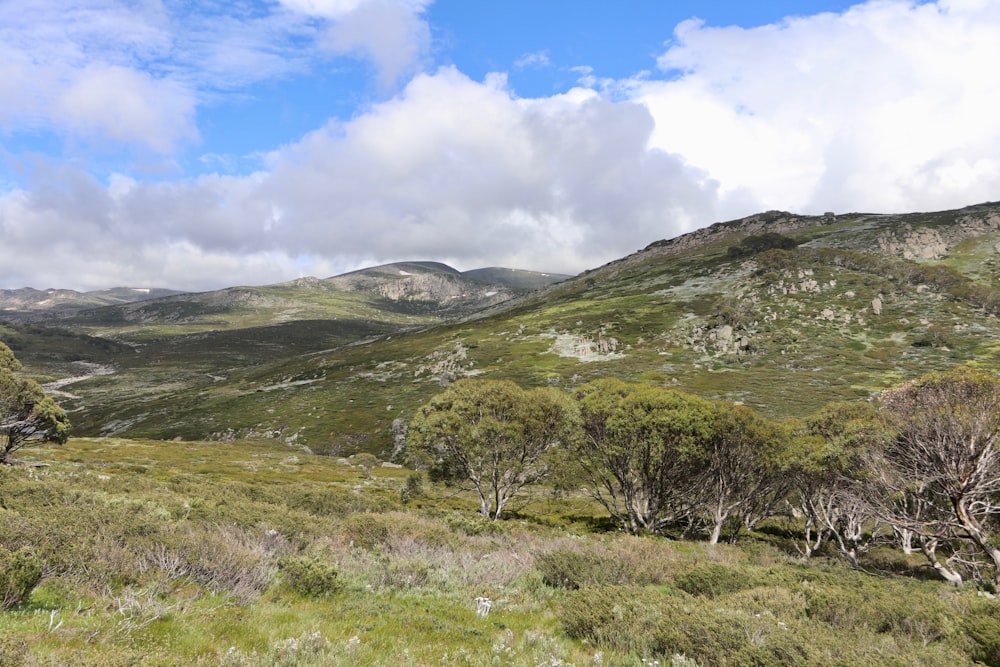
(152, 556)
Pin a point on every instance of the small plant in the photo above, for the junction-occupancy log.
(414, 488)
(366, 531)
(713, 580)
(13, 651)
(310, 577)
(20, 572)
(566, 568)
(366, 462)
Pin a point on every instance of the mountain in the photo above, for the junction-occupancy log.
(780, 311)
(27, 304)
(398, 296)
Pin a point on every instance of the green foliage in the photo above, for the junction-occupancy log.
(982, 625)
(27, 415)
(366, 531)
(643, 449)
(471, 526)
(713, 580)
(496, 435)
(946, 456)
(757, 243)
(413, 489)
(13, 651)
(334, 502)
(366, 461)
(311, 649)
(20, 572)
(573, 569)
(309, 576)
(768, 625)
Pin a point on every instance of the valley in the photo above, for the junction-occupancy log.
(239, 488)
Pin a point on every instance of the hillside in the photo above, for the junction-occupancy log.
(398, 295)
(28, 304)
(837, 307)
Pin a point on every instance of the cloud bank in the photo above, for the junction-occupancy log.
(889, 106)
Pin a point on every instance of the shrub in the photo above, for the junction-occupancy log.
(414, 488)
(616, 617)
(982, 625)
(20, 572)
(571, 569)
(366, 531)
(334, 502)
(474, 525)
(713, 580)
(309, 576)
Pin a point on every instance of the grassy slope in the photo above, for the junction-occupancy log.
(171, 553)
(812, 331)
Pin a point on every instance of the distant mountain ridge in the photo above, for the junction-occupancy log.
(28, 303)
(402, 294)
(780, 311)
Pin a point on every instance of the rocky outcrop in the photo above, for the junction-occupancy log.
(427, 286)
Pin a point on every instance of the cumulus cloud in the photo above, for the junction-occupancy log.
(127, 106)
(450, 169)
(889, 106)
(389, 32)
(135, 73)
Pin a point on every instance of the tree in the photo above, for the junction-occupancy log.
(742, 467)
(496, 435)
(829, 474)
(945, 456)
(27, 416)
(641, 451)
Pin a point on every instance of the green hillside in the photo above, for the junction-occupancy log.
(836, 307)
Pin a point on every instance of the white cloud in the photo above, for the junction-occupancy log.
(538, 59)
(389, 32)
(127, 106)
(451, 169)
(889, 106)
(135, 73)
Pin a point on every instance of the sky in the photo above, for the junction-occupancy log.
(199, 144)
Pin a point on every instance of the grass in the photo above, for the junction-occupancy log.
(164, 553)
(309, 384)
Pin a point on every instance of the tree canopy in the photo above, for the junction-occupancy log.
(945, 460)
(496, 435)
(27, 415)
(642, 450)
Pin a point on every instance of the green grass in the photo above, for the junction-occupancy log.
(346, 365)
(165, 553)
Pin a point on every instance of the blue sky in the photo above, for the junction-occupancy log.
(201, 144)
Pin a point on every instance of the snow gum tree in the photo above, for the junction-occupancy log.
(742, 473)
(642, 450)
(945, 461)
(496, 435)
(27, 416)
(829, 473)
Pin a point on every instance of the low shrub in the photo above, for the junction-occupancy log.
(474, 525)
(712, 579)
(572, 569)
(982, 625)
(20, 572)
(13, 651)
(615, 617)
(366, 531)
(309, 576)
